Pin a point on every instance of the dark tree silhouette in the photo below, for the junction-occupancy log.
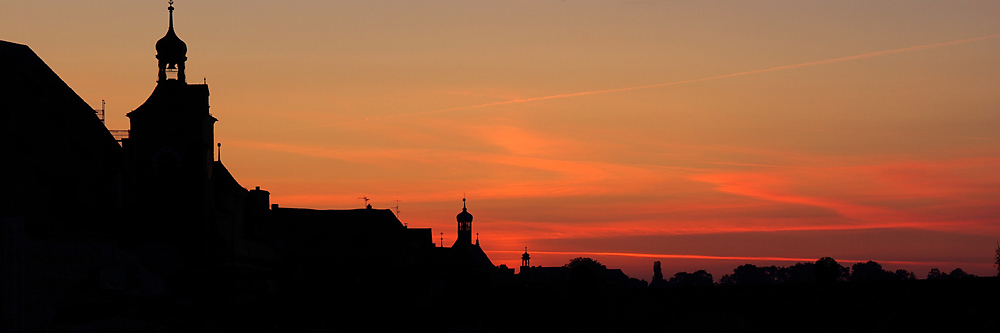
(585, 262)
(958, 273)
(827, 270)
(803, 272)
(586, 272)
(936, 274)
(635, 283)
(870, 271)
(685, 279)
(750, 274)
(902, 274)
(996, 259)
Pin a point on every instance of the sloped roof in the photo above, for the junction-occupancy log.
(343, 220)
(175, 99)
(224, 181)
(55, 149)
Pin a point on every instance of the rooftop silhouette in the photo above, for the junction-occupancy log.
(156, 234)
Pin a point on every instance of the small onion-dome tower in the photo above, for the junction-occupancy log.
(171, 52)
(464, 227)
(168, 177)
(525, 258)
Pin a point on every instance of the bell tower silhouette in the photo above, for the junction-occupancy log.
(464, 227)
(171, 144)
(525, 259)
(171, 52)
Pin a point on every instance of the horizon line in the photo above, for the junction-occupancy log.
(758, 258)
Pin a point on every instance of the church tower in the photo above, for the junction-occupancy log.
(170, 145)
(525, 259)
(464, 227)
(171, 53)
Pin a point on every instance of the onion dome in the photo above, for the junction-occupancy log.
(464, 216)
(171, 48)
(171, 51)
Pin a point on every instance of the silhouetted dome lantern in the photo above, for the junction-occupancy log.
(464, 227)
(171, 51)
(464, 216)
(525, 258)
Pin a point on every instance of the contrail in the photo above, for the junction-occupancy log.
(657, 85)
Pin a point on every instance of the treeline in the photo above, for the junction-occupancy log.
(824, 270)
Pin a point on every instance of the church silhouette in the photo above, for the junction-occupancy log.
(147, 230)
(156, 233)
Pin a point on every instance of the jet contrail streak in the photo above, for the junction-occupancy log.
(772, 69)
(597, 92)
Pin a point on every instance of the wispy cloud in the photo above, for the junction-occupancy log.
(797, 192)
(498, 175)
(917, 194)
(717, 77)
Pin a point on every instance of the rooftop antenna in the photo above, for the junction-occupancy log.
(397, 208)
(100, 113)
(366, 200)
(119, 135)
(442, 239)
(220, 151)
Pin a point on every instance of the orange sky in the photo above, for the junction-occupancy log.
(704, 134)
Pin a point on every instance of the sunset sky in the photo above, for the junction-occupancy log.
(703, 134)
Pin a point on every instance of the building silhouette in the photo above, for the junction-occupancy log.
(156, 233)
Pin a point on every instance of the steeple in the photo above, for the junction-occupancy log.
(169, 153)
(171, 53)
(525, 258)
(464, 227)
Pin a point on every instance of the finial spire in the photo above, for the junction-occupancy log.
(171, 52)
(171, 9)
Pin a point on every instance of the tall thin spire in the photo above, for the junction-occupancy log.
(171, 9)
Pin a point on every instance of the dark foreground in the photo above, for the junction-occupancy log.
(960, 305)
(969, 305)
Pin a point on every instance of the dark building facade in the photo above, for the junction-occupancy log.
(157, 234)
(169, 152)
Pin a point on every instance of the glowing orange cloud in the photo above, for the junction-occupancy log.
(914, 194)
(942, 195)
